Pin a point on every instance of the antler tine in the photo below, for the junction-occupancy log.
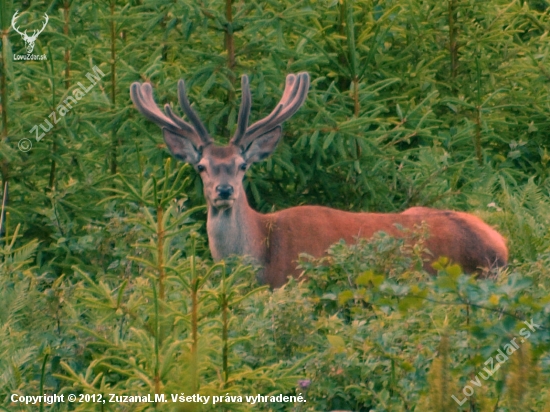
(244, 111)
(44, 26)
(142, 96)
(190, 113)
(295, 93)
(13, 20)
(182, 124)
(297, 98)
(290, 86)
(190, 131)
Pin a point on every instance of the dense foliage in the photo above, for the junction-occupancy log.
(106, 281)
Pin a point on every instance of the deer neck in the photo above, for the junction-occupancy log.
(236, 231)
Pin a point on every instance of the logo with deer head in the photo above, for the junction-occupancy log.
(29, 40)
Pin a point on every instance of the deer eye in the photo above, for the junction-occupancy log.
(243, 166)
(201, 168)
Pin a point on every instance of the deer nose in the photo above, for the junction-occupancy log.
(224, 191)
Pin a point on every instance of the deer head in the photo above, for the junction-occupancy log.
(222, 168)
(29, 40)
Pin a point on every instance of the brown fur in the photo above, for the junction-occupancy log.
(276, 240)
(463, 238)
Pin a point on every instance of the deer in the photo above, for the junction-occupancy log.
(29, 40)
(275, 240)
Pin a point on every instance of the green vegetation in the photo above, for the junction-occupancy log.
(106, 281)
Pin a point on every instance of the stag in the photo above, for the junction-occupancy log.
(275, 240)
(29, 40)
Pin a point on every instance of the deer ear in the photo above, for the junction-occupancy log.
(263, 146)
(180, 147)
